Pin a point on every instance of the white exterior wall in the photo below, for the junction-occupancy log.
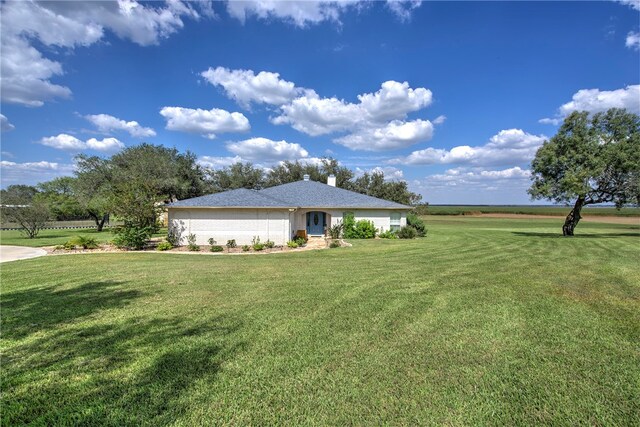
(226, 224)
(381, 218)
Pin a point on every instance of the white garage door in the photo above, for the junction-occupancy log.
(222, 225)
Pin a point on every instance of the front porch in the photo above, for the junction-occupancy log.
(314, 223)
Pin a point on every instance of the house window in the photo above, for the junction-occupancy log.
(395, 221)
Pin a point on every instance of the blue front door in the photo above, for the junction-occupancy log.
(315, 223)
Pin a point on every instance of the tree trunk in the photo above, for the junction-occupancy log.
(99, 220)
(573, 218)
(100, 224)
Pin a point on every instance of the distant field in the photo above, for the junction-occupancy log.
(528, 210)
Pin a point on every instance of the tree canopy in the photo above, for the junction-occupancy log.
(134, 182)
(592, 159)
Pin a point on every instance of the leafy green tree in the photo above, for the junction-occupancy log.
(61, 197)
(289, 171)
(134, 183)
(375, 185)
(91, 188)
(20, 204)
(237, 175)
(590, 160)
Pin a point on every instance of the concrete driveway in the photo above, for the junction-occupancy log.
(14, 253)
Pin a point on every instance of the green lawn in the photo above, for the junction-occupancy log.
(484, 322)
(530, 210)
(57, 236)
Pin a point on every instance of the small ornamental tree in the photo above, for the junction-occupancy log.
(21, 205)
(590, 160)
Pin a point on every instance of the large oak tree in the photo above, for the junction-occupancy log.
(592, 159)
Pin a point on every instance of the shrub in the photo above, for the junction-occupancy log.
(84, 242)
(414, 221)
(191, 243)
(212, 241)
(231, 243)
(292, 244)
(362, 229)
(269, 244)
(334, 244)
(132, 237)
(300, 241)
(388, 235)
(349, 226)
(258, 246)
(217, 248)
(335, 231)
(164, 246)
(365, 229)
(58, 247)
(407, 232)
(246, 248)
(69, 245)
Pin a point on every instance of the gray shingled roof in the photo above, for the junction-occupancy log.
(240, 198)
(311, 194)
(299, 194)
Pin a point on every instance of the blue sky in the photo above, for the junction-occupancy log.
(453, 97)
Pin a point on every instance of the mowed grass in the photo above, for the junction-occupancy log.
(484, 322)
(55, 237)
(530, 210)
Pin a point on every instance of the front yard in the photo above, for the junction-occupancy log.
(485, 321)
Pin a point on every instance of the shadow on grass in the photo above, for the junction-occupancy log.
(559, 235)
(37, 309)
(131, 372)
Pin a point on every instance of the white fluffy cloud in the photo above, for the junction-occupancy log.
(475, 186)
(5, 125)
(63, 142)
(633, 40)
(208, 123)
(302, 13)
(596, 100)
(395, 135)
(245, 87)
(107, 123)
(317, 116)
(105, 144)
(393, 100)
(31, 173)
(510, 146)
(374, 123)
(27, 74)
(67, 142)
(298, 13)
(265, 150)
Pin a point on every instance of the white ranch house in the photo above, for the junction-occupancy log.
(278, 213)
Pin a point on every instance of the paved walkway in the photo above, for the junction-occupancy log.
(14, 253)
